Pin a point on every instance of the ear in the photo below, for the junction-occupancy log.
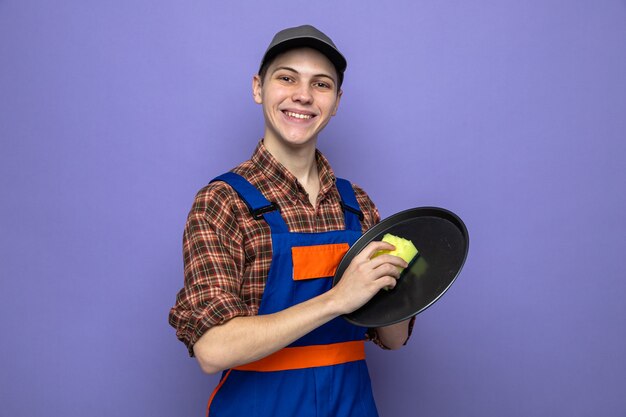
(257, 89)
(339, 93)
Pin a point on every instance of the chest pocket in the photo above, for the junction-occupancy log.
(317, 261)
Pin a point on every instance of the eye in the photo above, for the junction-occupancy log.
(323, 85)
(285, 78)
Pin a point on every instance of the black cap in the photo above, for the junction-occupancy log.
(306, 36)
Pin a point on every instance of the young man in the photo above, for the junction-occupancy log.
(261, 244)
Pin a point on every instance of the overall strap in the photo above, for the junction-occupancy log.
(352, 211)
(259, 206)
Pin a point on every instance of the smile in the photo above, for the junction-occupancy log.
(298, 115)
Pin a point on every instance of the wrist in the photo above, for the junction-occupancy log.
(333, 304)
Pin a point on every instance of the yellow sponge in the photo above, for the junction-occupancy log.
(405, 249)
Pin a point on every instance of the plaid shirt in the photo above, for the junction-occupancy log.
(227, 254)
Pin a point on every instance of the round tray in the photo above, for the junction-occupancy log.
(442, 241)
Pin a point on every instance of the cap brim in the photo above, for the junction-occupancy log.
(338, 60)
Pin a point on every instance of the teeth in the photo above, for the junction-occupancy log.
(298, 115)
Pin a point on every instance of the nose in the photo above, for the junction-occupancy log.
(302, 94)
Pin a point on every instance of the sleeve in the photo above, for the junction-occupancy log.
(372, 217)
(214, 261)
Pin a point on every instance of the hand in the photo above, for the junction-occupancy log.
(364, 277)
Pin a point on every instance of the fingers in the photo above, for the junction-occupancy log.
(389, 259)
(373, 247)
(386, 282)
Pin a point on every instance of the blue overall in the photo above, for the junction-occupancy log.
(340, 390)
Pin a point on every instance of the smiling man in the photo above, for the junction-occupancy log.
(261, 245)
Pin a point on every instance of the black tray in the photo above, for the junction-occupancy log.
(442, 241)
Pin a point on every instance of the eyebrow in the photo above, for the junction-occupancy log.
(294, 70)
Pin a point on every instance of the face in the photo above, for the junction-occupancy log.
(299, 95)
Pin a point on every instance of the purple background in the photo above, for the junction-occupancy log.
(511, 114)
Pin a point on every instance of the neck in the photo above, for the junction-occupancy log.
(301, 162)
